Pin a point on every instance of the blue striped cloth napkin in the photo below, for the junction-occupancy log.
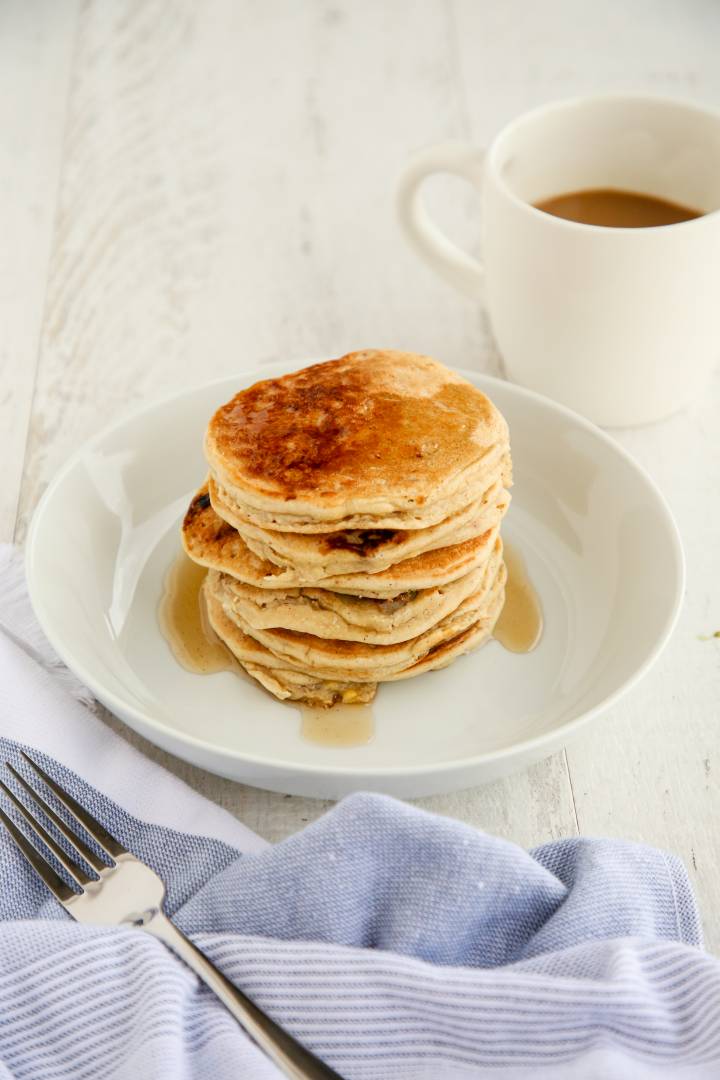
(396, 944)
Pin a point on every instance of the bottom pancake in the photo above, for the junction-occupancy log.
(292, 679)
(337, 658)
(317, 693)
(285, 682)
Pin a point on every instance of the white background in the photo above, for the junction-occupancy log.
(187, 189)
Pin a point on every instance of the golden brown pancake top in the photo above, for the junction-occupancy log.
(372, 419)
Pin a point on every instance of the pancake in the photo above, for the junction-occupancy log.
(214, 543)
(350, 524)
(356, 661)
(358, 439)
(285, 682)
(443, 654)
(290, 684)
(497, 465)
(321, 555)
(351, 618)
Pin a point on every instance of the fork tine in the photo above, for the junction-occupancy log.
(76, 872)
(77, 842)
(55, 884)
(100, 835)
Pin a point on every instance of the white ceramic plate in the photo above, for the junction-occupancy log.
(599, 541)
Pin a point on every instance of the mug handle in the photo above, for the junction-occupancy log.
(445, 257)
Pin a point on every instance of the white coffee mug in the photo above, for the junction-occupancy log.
(622, 324)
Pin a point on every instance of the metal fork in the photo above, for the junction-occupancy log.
(128, 893)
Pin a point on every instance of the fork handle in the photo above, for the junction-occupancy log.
(280, 1047)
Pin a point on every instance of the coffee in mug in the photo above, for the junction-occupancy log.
(617, 209)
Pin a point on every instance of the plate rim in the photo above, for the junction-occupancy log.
(524, 748)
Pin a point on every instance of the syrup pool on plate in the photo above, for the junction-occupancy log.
(184, 621)
(520, 625)
(195, 645)
(340, 725)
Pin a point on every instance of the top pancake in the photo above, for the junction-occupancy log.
(371, 434)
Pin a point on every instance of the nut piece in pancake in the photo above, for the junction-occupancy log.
(371, 433)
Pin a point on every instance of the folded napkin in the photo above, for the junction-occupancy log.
(394, 943)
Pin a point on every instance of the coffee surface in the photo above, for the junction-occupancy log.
(617, 209)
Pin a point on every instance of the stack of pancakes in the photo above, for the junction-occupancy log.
(350, 524)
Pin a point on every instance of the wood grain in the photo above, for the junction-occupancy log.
(226, 199)
(216, 212)
(514, 56)
(36, 45)
(649, 769)
(136, 220)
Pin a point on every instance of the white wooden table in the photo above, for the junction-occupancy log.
(190, 188)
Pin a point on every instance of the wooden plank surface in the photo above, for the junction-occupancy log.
(226, 199)
(213, 215)
(648, 769)
(36, 45)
